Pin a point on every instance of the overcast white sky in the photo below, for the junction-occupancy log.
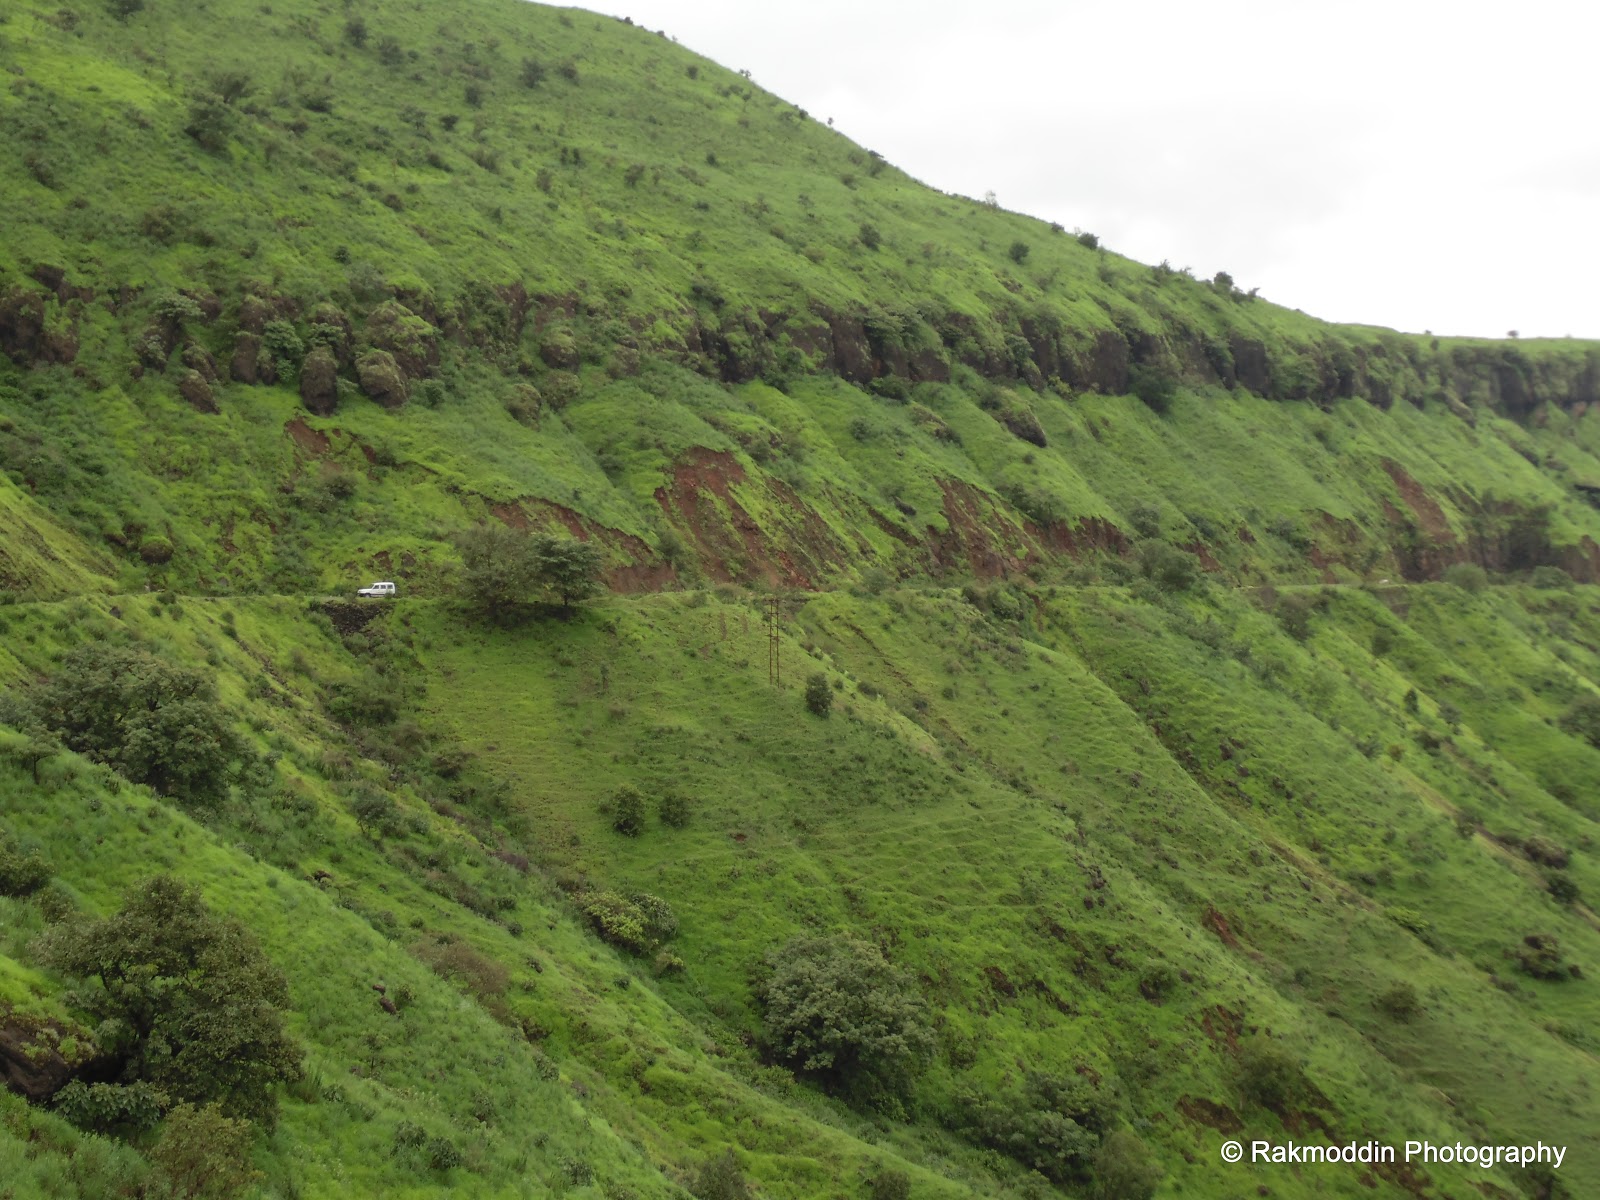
(1421, 165)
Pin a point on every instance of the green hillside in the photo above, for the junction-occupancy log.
(1187, 723)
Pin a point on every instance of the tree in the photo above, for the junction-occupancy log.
(155, 723)
(627, 816)
(567, 567)
(500, 572)
(188, 1001)
(835, 1007)
(819, 697)
(1019, 252)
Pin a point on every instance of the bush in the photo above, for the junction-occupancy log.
(1153, 387)
(834, 1007)
(155, 550)
(889, 1185)
(532, 73)
(674, 809)
(1469, 577)
(870, 237)
(22, 873)
(1124, 1169)
(204, 1155)
(1582, 718)
(1400, 1001)
(720, 1179)
(1539, 955)
(1018, 252)
(111, 1108)
(1562, 889)
(1053, 1127)
(189, 1001)
(637, 922)
(1090, 240)
(355, 32)
(1269, 1075)
(819, 697)
(157, 724)
(1146, 520)
(1551, 578)
(1170, 569)
(627, 811)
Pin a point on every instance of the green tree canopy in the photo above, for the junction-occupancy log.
(188, 1001)
(836, 1007)
(508, 569)
(154, 722)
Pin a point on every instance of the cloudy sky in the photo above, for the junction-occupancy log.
(1411, 163)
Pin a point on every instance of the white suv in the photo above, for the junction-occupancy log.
(377, 589)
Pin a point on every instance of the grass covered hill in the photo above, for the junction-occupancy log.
(1188, 717)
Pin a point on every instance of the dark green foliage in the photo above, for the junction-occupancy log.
(204, 1155)
(1269, 1075)
(836, 1008)
(627, 811)
(375, 813)
(189, 1002)
(1294, 614)
(1562, 889)
(1054, 1126)
(155, 723)
(720, 1178)
(870, 237)
(1019, 252)
(1382, 641)
(1124, 1169)
(1582, 718)
(637, 922)
(1539, 955)
(111, 1108)
(567, 567)
(674, 809)
(1467, 576)
(819, 697)
(1400, 1001)
(1153, 386)
(532, 73)
(1146, 520)
(283, 344)
(355, 32)
(499, 571)
(1546, 851)
(22, 872)
(210, 122)
(123, 9)
(390, 52)
(889, 1184)
(1089, 240)
(1170, 569)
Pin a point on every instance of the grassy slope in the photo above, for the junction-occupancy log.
(963, 816)
(1036, 813)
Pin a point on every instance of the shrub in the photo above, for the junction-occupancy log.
(889, 1185)
(203, 1154)
(1550, 578)
(1582, 718)
(1562, 889)
(355, 32)
(1053, 1127)
(1146, 520)
(719, 1178)
(1400, 1001)
(189, 1001)
(210, 122)
(836, 1008)
(1169, 568)
(870, 237)
(673, 809)
(459, 962)
(111, 1108)
(637, 922)
(390, 52)
(1469, 577)
(22, 873)
(819, 697)
(1018, 252)
(155, 550)
(1539, 955)
(627, 811)
(157, 724)
(1124, 1169)
(1154, 387)
(532, 73)
(1090, 240)
(1269, 1075)
(1382, 641)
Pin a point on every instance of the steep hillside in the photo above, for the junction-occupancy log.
(1193, 703)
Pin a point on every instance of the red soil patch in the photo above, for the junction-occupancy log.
(1203, 553)
(1223, 1026)
(1218, 924)
(1427, 513)
(700, 500)
(307, 438)
(1211, 1114)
